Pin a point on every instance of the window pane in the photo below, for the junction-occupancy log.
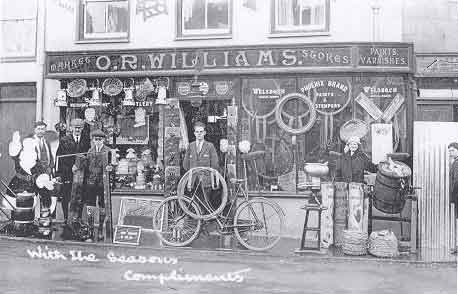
(18, 38)
(95, 17)
(118, 17)
(300, 14)
(194, 14)
(218, 14)
(319, 15)
(306, 15)
(18, 9)
(285, 12)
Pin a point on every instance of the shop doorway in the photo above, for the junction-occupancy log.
(214, 114)
(17, 113)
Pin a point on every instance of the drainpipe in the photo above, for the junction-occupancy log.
(41, 59)
(375, 21)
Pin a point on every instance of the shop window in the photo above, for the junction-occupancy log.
(134, 129)
(18, 29)
(104, 19)
(204, 18)
(258, 126)
(300, 16)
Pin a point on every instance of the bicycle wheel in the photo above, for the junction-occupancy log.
(198, 180)
(258, 224)
(175, 227)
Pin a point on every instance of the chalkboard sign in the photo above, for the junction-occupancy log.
(127, 235)
(138, 212)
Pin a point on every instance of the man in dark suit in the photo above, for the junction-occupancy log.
(45, 160)
(202, 153)
(68, 145)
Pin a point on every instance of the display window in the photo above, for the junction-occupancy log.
(285, 134)
(125, 110)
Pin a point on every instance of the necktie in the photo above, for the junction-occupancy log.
(77, 139)
(199, 146)
(43, 151)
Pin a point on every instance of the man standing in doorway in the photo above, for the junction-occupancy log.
(70, 145)
(202, 153)
(453, 177)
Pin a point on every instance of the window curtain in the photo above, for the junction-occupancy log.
(187, 9)
(117, 19)
(285, 12)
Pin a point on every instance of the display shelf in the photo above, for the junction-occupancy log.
(125, 192)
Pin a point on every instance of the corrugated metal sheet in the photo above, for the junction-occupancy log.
(436, 219)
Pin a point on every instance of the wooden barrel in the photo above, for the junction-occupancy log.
(388, 196)
(24, 211)
(340, 211)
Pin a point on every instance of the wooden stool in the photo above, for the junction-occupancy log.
(308, 208)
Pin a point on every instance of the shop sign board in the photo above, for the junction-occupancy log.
(384, 56)
(437, 65)
(260, 96)
(221, 59)
(380, 97)
(330, 96)
(210, 88)
(127, 235)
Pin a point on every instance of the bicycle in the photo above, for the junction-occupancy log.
(257, 223)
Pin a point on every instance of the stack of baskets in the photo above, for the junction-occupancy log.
(354, 242)
(383, 244)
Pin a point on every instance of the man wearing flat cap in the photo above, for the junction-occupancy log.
(70, 145)
(352, 164)
(94, 166)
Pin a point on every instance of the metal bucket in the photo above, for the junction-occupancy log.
(24, 212)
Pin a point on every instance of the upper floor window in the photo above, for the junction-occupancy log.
(104, 19)
(301, 16)
(204, 18)
(18, 29)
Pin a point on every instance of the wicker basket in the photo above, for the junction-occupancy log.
(383, 244)
(353, 127)
(354, 242)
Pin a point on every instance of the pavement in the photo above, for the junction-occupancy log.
(49, 266)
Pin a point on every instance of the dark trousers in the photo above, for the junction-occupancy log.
(94, 194)
(66, 193)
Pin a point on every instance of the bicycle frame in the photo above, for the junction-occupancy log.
(223, 224)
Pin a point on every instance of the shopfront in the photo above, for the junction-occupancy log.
(147, 101)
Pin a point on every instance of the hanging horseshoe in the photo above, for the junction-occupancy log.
(288, 127)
